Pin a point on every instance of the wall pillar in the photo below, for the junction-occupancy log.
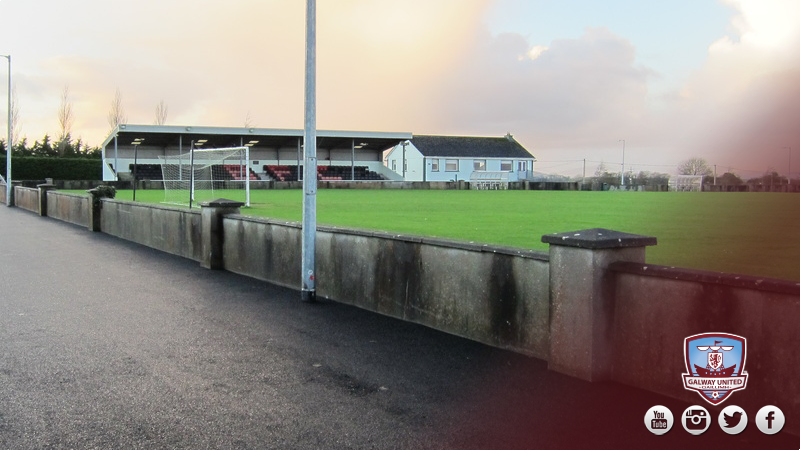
(43, 188)
(211, 232)
(581, 298)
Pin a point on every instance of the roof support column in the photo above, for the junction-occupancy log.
(309, 287)
(116, 160)
(299, 152)
(352, 159)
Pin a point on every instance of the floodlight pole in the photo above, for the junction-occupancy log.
(8, 142)
(309, 289)
(622, 175)
(789, 170)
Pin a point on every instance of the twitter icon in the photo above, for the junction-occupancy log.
(732, 419)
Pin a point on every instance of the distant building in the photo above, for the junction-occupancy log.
(453, 158)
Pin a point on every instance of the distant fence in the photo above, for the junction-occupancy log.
(591, 306)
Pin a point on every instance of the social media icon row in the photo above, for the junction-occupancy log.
(696, 419)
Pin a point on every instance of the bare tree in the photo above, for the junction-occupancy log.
(65, 116)
(116, 116)
(248, 120)
(65, 120)
(694, 166)
(161, 113)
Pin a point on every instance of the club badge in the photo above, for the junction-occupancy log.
(715, 365)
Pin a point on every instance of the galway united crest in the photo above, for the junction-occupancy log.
(715, 362)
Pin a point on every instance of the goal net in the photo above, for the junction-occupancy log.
(207, 174)
(686, 183)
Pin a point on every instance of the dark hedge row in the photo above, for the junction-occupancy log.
(36, 168)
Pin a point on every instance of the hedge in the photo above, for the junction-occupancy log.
(39, 168)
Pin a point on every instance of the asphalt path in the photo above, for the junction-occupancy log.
(106, 344)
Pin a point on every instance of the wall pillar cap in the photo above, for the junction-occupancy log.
(598, 238)
(222, 202)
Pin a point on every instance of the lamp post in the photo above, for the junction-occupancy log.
(8, 142)
(789, 170)
(309, 228)
(622, 174)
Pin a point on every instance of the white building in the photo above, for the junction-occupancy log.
(454, 158)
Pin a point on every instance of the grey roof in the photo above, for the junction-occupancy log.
(470, 147)
(218, 137)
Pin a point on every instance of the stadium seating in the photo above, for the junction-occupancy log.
(147, 171)
(324, 173)
(235, 172)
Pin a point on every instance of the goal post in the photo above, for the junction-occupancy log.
(207, 174)
(686, 183)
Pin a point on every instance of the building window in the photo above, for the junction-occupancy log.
(479, 164)
(435, 165)
(506, 166)
(394, 165)
(451, 165)
(523, 166)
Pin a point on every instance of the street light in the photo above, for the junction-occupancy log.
(8, 142)
(309, 228)
(622, 174)
(789, 170)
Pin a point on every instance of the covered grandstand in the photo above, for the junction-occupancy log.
(275, 154)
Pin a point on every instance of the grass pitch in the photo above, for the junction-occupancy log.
(749, 233)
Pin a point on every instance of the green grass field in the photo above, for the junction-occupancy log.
(749, 233)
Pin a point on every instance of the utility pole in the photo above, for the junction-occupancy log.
(583, 180)
(789, 170)
(309, 285)
(9, 141)
(622, 174)
(715, 174)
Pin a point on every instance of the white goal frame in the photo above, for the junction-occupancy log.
(686, 183)
(204, 170)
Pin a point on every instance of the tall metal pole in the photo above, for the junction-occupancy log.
(9, 141)
(622, 175)
(789, 170)
(309, 286)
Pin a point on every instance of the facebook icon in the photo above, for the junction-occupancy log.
(770, 419)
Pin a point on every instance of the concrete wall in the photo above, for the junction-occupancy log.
(172, 230)
(72, 208)
(493, 295)
(26, 198)
(657, 307)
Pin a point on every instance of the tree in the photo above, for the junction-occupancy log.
(116, 116)
(65, 120)
(161, 113)
(601, 169)
(729, 179)
(248, 120)
(695, 166)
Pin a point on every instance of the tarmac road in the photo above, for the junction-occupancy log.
(105, 344)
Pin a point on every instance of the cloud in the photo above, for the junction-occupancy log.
(745, 102)
(571, 93)
(214, 62)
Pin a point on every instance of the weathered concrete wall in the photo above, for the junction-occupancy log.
(657, 307)
(172, 230)
(72, 208)
(488, 294)
(27, 198)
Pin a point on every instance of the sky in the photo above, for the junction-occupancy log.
(570, 79)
